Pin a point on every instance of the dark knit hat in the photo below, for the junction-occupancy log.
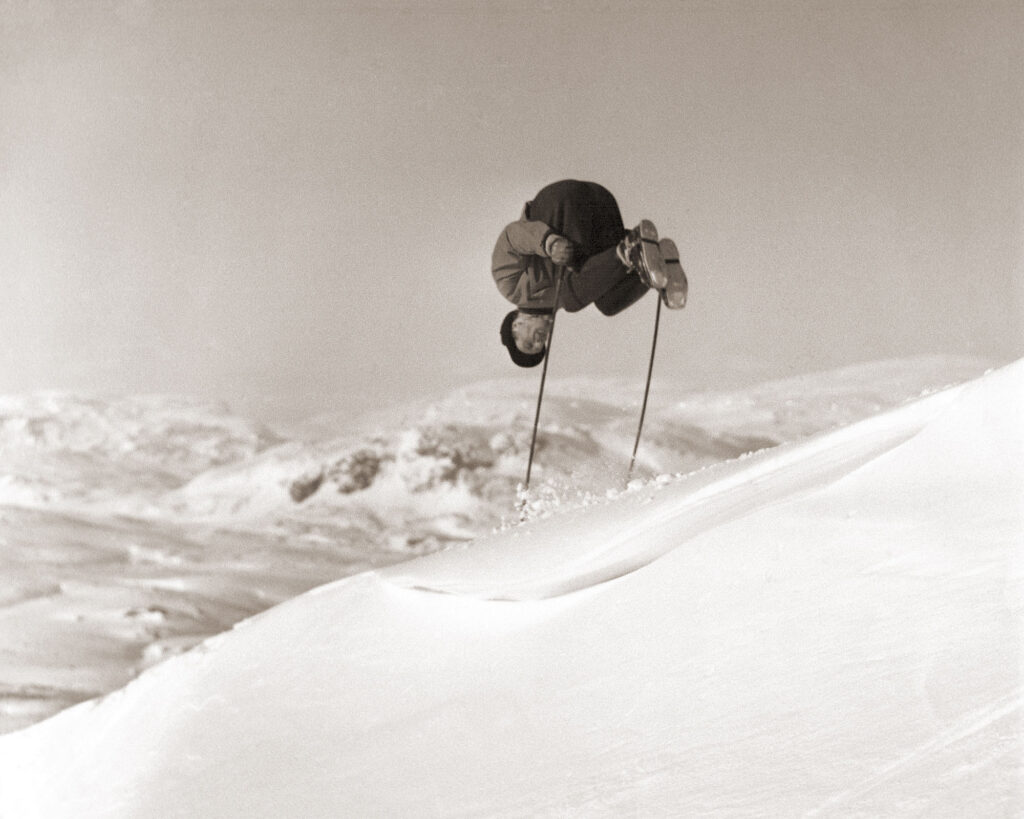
(517, 355)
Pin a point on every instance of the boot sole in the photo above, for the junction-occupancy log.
(673, 295)
(650, 255)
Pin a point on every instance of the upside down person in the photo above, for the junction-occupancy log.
(575, 228)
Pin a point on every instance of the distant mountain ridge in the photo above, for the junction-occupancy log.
(56, 447)
(177, 455)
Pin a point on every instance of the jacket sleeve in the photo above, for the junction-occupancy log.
(509, 260)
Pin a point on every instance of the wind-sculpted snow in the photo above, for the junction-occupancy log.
(134, 528)
(830, 627)
(661, 515)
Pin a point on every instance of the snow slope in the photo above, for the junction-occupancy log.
(132, 528)
(830, 627)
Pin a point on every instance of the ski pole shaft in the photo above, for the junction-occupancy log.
(543, 378)
(647, 389)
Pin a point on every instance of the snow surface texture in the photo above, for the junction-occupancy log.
(132, 529)
(828, 627)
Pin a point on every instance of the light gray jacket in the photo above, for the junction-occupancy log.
(521, 268)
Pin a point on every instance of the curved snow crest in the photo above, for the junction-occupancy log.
(586, 546)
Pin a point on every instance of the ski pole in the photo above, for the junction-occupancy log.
(647, 389)
(543, 377)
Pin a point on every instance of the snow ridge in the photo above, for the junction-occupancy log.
(666, 514)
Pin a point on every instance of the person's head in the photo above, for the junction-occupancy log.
(525, 334)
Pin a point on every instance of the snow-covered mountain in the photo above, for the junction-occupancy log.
(831, 626)
(134, 528)
(59, 449)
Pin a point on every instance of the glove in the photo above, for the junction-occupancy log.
(559, 249)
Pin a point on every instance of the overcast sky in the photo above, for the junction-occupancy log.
(291, 205)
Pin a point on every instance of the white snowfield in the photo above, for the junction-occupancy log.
(832, 627)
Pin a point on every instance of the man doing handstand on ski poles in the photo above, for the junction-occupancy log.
(574, 229)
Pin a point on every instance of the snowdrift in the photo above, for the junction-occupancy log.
(830, 627)
(133, 528)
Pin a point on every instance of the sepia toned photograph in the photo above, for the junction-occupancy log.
(511, 408)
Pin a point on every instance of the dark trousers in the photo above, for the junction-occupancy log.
(588, 214)
(604, 281)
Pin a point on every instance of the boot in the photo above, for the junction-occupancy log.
(640, 252)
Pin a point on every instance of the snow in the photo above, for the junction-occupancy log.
(58, 447)
(828, 625)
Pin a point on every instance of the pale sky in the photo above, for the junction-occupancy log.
(291, 205)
